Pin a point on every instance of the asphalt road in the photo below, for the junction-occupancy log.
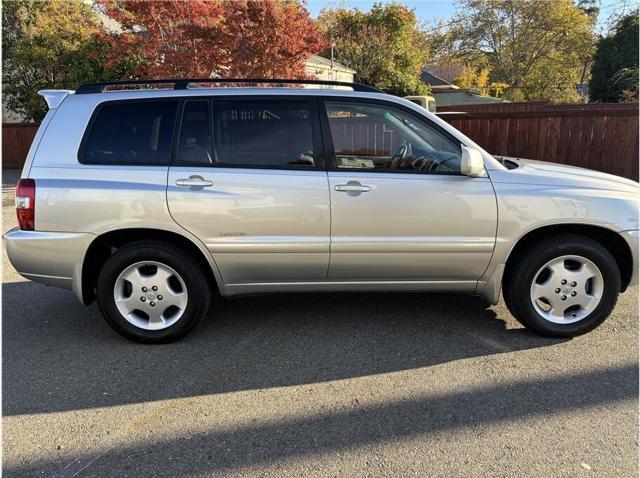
(315, 385)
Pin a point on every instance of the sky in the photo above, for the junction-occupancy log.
(426, 10)
(430, 11)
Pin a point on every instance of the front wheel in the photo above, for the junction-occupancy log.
(152, 292)
(563, 286)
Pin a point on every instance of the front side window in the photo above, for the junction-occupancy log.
(263, 133)
(130, 133)
(375, 137)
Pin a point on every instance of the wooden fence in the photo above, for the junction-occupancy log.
(538, 106)
(497, 107)
(602, 137)
(16, 141)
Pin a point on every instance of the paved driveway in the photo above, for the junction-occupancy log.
(315, 385)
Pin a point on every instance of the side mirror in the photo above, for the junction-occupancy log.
(471, 163)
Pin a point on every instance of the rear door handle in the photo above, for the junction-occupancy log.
(352, 188)
(194, 182)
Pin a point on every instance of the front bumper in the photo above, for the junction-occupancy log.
(53, 258)
(633, 240)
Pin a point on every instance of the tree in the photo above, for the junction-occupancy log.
(384, 46)
(537, 47)
(623, 9)
(10, 25)
(614, 71)
(270, 39)
(51, 44)
(215, 38)
(169, 39)
(475, 78)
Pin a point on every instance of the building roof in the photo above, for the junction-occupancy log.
(447, 70)
(320, 61)
(431, 79)
(462, 96)
(448, 94)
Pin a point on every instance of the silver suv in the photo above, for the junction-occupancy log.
(154, 196)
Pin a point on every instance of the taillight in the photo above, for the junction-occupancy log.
(26, 204)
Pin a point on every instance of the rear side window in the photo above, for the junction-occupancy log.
(263, 133)
(130, 133)
(194, 142)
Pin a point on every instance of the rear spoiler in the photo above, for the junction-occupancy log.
(54, 97)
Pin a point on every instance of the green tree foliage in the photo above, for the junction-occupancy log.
(384, 46)
(614, 72)
(537, 47)
(54, 44)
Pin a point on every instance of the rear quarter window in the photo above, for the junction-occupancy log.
(130, 133)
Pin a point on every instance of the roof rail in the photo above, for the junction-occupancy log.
(183, 83)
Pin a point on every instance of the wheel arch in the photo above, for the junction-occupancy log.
(608, 238)
(106, 244)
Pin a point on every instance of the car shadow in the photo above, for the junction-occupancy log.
(330, 435)
(60, 356)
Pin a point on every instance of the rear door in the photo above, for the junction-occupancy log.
(248, 179)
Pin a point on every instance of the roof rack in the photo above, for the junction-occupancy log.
(183, 83)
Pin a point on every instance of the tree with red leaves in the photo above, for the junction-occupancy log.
(270, 38)
(170, 39)
(214, 38)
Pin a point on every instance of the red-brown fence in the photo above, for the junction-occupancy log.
(602, 137)
(538, 106)
(596, 136)
(16, 140)
(498, 107)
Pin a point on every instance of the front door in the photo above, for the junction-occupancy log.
(400, 209)
(248, 180)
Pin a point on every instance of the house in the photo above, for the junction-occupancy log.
(448, 94)
(326, 69)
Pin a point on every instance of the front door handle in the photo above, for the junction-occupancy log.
(352, 187)
(194, 182)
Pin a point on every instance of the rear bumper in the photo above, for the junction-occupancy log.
(53, 258)
(633, 240)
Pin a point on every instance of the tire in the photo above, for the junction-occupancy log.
(538, 273)
(126, 282)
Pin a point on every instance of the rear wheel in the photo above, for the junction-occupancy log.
(152, 292)
(563, 286)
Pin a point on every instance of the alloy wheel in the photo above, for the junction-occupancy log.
(567, 289)
(150, 295)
